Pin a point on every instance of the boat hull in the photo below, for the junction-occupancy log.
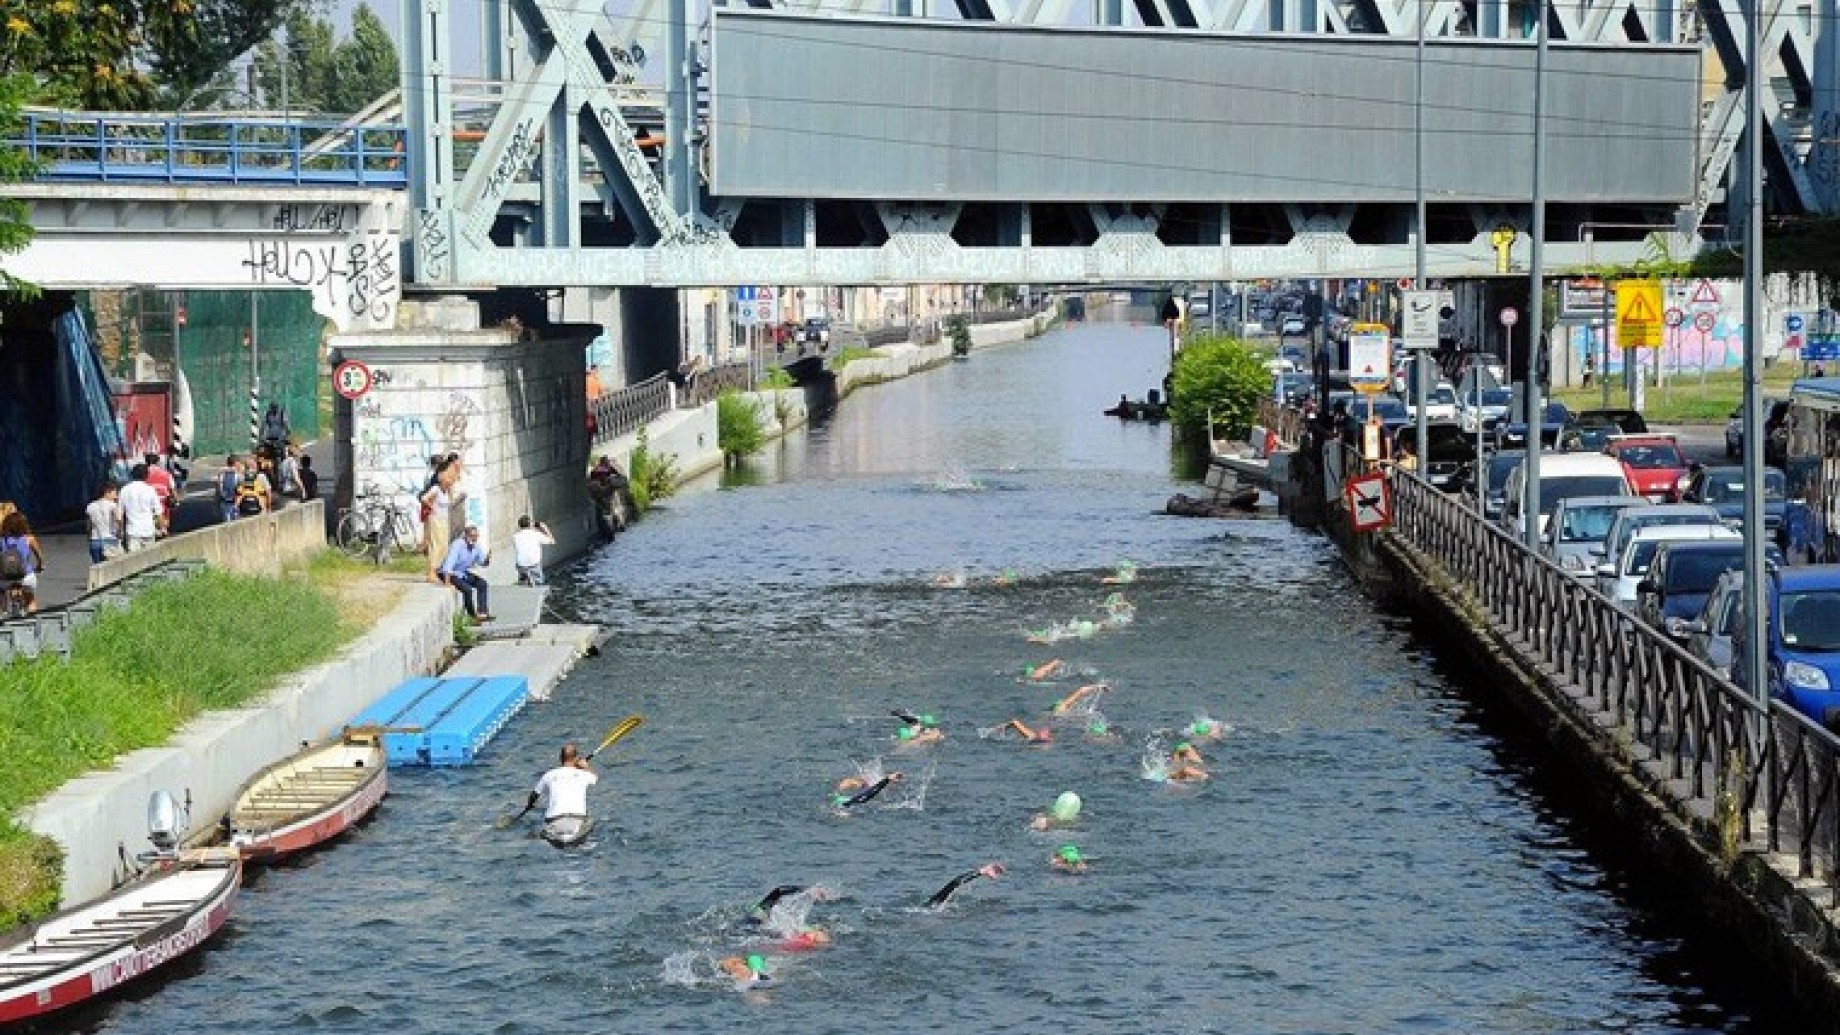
(567, 831)
(209, 886)
(307, 800)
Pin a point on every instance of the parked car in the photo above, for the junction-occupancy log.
(815, 330)
(1722, 489)
(1634, 519)
(1626, 573)
(1575, 535)
(1512, 434)
(1681, 576)
(1292, 326)
(1483, 412)
(1629, 422)
(1440, 405)
(1707, 635)
(1654, 463)
(1803, 620)
(1292, 388)
(1492, 482)
(1563, 476)
(1449, 452)
(1586, 438)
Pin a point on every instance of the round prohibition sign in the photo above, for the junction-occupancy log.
(1705, 321)
(351, 379)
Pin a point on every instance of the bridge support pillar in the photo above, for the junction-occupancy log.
(511, 401)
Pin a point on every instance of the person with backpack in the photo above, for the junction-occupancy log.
(20, 559)
(226, 486)
(254, 495)
(275, 428)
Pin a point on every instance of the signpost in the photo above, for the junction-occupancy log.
(1370, 505)
(1370, 357)
(1419, 326)
(1639, 314)
(1508, 316)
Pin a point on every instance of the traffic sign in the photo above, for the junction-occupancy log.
(1370, 505)
(1705, 320)
(1638, 314)
(1370, 360)
(1405, 283)
(179, 316)
(1419, 324)
(1674, 317)
(1508, 316)
(1821, 349)
(1704, 294)
(1795, 323)
(351, 379)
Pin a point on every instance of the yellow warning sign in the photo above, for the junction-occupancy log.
(1639, 315)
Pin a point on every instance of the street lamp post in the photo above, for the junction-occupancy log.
(1536, 290)
(1420, 368)
(1755, 622)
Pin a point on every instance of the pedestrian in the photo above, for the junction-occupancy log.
(287, 473)
(104, 525)
(1590, 368)
(275, 428)
(527, 545)
(226, 487)
(309, 479)
(20, 557)
(460, 569)
(437, 503)
(1820, 370)
(162, 482)
(255, 494)
(142, 518)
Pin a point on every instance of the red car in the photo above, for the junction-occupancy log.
(1653, 464)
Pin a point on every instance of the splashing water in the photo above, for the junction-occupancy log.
(914, 791)
(681, 968)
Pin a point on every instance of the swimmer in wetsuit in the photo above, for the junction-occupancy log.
(919, 729)
(866, 794)
(749, 970)
(771, 899)
(944, 895)
(1090, 690)
(1044, 735)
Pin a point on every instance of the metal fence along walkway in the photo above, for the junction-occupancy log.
(92, 147)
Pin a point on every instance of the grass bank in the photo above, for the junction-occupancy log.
(212, 641)
(1684, 399)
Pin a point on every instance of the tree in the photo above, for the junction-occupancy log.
(15, 165)
(1218, 375)
(126, 55)
(365, 66)
(308, 42)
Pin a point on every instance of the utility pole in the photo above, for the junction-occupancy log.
(1536, 291)
(1755, 620)
(1420, 365)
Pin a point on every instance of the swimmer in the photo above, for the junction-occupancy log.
(1185, 764)
(1064, 811)
(1126, 573)
(1067, 859)
(1006, 577)
(944, 895)
(764, 908)
(1204, 728)
(919, 729)
(868, 793)
(1043, 735)
(1053, 668)
(1099, 730)
(748, 970)
(806, 939)
(1094, 691)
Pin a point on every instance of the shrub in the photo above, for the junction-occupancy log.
(959, 330)
(1218, 374)
(738, 430)
(652, 477)
(849, 354)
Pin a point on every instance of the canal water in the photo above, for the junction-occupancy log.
(1372, 853)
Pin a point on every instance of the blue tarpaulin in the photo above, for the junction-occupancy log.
(56, 413)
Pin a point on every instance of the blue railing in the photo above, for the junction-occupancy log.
(89, 147)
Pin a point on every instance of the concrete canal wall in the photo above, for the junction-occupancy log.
(101, 814)
(259, 545)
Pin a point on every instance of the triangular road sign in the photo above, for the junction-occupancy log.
(1641, 310)
(1368, 369)
(1704, 294)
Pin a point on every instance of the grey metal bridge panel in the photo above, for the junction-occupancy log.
(902, 109)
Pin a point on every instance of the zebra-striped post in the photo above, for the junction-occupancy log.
(255, 413)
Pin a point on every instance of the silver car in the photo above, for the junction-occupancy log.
(1629, 521)
(1575, 534)
(1708, 636)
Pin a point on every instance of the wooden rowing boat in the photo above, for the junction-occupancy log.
(308, 798)
(86, 951)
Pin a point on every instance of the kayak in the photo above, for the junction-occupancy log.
(567, 831)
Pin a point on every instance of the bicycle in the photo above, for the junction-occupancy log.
(378, 526)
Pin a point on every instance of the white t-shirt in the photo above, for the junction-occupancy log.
(140, 507)
(527, 544)
(104, 519)
(567, 790)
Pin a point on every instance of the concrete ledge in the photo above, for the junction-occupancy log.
(212, 756)
(259, 545)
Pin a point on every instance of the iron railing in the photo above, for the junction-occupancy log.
(1710, 738)
(115, 148)
(625, 410)
(707, 384)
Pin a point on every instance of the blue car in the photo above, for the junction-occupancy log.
(1804, 629)
(1682, 575)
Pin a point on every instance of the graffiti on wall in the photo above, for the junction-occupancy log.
(355, 282)
(395, 430)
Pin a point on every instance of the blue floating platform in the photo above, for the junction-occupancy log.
(443, 722)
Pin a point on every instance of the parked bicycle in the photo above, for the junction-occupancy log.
(377, 526)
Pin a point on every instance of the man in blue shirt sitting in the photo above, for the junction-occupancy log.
(463, 556)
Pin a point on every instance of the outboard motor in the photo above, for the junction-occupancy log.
(164, 827)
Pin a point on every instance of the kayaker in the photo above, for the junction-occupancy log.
(565, 787)
(944, 895)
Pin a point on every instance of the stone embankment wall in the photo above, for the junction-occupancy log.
(97, 816)
(259, 545)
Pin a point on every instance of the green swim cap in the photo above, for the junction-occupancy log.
(758, 964)
(1098, 728)
(928, 720)
(838, 799)
(1184, 746)
(1199, 728)
(905, 733)
(1065, 807)
(1069, 854)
